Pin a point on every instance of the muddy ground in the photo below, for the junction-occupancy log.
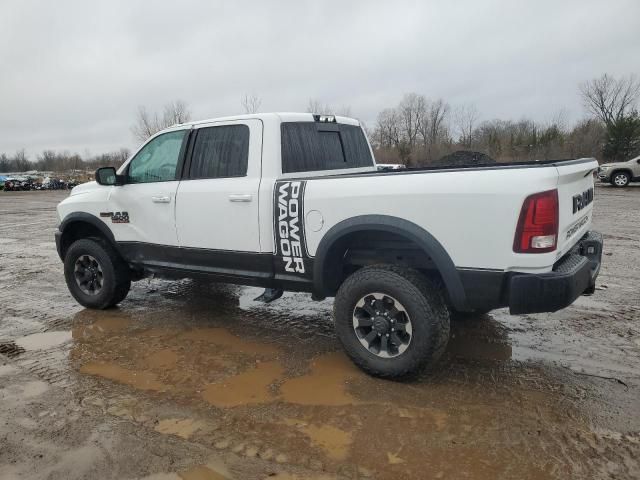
(196, 381)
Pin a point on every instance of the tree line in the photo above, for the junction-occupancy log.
(422, 131)
(64, 161)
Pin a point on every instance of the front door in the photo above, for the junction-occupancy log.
(144, 208)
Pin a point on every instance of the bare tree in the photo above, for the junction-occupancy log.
(147, 124)
(465, 119)
(20, 161)
(411, 112)
(387, 132)
(251, 103)
(174, 113)
(344, 110)
(610, 99)
(316, 106)
(437, 132)
(5, 163)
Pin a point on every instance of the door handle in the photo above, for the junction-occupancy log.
(161, 199)
(240, 197)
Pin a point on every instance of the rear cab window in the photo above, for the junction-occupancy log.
(317, 146)
(220, 152)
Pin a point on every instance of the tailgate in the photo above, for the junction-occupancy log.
(575, 197)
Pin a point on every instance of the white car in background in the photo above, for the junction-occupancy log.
(620, 174)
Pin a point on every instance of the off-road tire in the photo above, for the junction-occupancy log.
(620, 174)
(116, 280)
(424, 303)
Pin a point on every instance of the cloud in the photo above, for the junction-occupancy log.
(72, 73)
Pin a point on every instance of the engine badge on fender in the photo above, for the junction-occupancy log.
(116, 217)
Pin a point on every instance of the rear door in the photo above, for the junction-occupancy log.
(575, 201)
(217, 200)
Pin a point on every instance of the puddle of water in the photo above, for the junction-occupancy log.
(248, 387)
(109, 324)
(293, 476)
(165, 358)
(394, 459)
(6, 370)
(138, 380)
(225, 339)
(211, 471)
(34, 388)
(181, 427)
(23, 391)
(325, 384)
(43, 341)
(334, 441)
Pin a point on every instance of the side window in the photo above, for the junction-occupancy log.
(220, 152)
(158, 159)
(308, 146)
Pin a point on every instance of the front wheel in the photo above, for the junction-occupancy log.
(391, 321)
(620, 179)
(96, 275)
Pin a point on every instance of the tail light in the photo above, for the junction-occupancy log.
(537, 230)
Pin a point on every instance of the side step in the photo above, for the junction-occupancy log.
(269, 295)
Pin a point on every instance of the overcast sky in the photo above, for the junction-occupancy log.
(72, 74)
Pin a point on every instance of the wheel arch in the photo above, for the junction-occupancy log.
(333, 243)
(82, 225)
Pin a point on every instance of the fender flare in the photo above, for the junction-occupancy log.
(83, 217)
(429, 244)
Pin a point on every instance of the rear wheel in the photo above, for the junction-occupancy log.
(391, 321)
(620, 179)
(96, 275)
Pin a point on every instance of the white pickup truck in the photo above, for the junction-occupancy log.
(293, 201)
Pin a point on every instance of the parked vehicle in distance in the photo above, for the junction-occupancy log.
(620, 174)
(26, 184)
(384, 167)
(295, 202)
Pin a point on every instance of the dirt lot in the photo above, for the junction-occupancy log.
(195, 381)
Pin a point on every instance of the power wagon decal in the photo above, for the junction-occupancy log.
(288, 215)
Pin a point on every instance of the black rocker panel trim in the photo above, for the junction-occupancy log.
(245, 268)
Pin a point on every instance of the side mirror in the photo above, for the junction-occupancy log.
(107, 176)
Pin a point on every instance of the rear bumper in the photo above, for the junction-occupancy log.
(573, 275)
